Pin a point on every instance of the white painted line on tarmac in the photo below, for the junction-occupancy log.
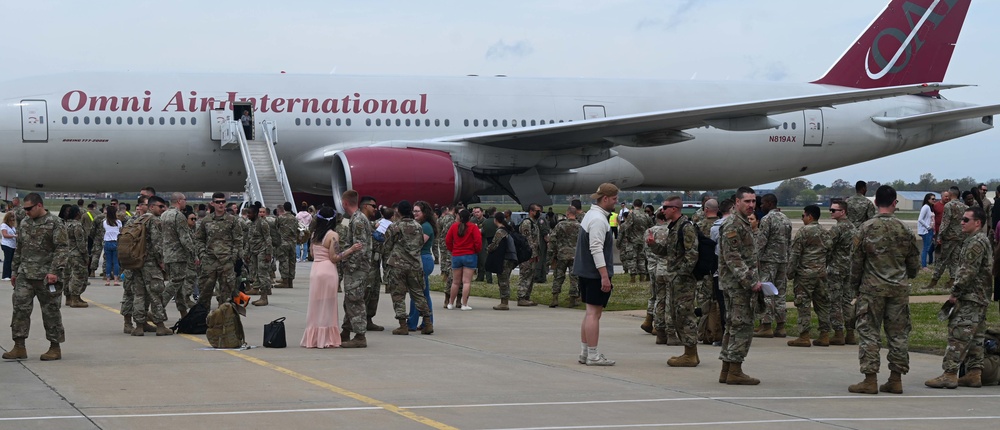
(733, 423)
(192, 414)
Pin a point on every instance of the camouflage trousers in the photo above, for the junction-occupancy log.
(627, 257)
(23, 300)
(148, 290)
(660, 296)
(285, 254)
(559, 276)
(894, 314)
(128, 297)
(526, 279)
(180, 285)
(214, 271)
(355, 312)
(966, 332)
(682, 304)
(260, 272)
(372, 289)
(503, 278)
(841, 296)
(739, 325)
(812, 291)
(774, 305)
(641, 264)
(95, 255)
(446, 263)
(76, 276)
(948, 259)
(408, 281)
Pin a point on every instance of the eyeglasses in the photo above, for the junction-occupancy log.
(836, 210)
(219, 202)
(670, 206)
(29, 208)
(966, 220)
(193, 219)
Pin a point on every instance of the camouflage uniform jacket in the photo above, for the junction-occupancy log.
(657, 262)
(776, 235)
(97, 232)
(77, 239)
(498, 238)
(86, 221)
(154, 239)
(885, 254)
(403, 240)
(698, 216)
(42, 247)
(529, 228)
(359, 230)
(738, 262)
(951, 220)
(220, 237)
(562, 242)
(178, 243)
(841, 245)
(258, 240)
(272, 229)
(974, 281)
(20, 213)
(543, 231)
(705, 225)
(810, 253)
(859, 209)
(677, 260)
(444, 224)
(288, 229)
(341, 229)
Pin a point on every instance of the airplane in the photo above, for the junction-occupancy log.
(449, 139)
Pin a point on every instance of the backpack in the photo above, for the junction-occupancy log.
(195, 322)
(521, 245)
(224, 328)
(707, 262)
(132, 244)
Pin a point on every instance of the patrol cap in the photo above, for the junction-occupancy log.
(605, 190)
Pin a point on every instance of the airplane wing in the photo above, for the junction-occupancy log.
(664, 127)
(928, 119)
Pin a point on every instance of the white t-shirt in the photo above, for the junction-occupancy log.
(8, 242)
(111, 232)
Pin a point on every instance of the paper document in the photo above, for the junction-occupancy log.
(383, 225)
(769, 289)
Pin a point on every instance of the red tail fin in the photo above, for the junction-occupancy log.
(910, 42)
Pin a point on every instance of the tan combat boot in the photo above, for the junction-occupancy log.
(764, 330)
(18, 353)
(359, 341)
(849, 337)
(555, 301)
(139, 329)
(79, 303)
(54, 352)
(931, 285)
(647, 324)
(779, 330)
(345, 334)
(838, 337)
(725, 372)
(632, 279)
(661, 337)
(824, 339)
(447, 294)
(128, 324)
(574, 301)
(526, 302)
(70, 299)
(162, 330)
(253, 291)
(894, 385)
(428, 327)
(973, 378)
(262, 301)
(672, 339)
(502, 306)
(946, 380)
(403, 329)
(868, 386)
(148, 327)
(689, 359)
(373, 327)
(802, 340)
(737, 377)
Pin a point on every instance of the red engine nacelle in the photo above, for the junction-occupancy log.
(394, 174)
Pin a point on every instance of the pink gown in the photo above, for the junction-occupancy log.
(322, 322)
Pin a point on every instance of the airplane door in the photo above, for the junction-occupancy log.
(34, 125)
(813, 127)
(593, 111)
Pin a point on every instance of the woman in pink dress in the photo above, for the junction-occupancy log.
(322, 323)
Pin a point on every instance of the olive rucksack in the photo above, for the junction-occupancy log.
(521, 246)
(132, 244)
(225, 330)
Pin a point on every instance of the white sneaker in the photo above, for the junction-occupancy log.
(451, 306)
(601, 360)
(582, 359)
(466, 308)
(6, 279)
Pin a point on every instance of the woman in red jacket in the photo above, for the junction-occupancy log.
(464, 240)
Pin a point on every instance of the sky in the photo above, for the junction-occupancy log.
(736, 40)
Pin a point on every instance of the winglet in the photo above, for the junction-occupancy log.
(910, 42)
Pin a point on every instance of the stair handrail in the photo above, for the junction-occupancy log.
(270, 132)
(253, 191)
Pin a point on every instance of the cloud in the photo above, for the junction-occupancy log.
(681, 12)
(502, 50)
(774, 71)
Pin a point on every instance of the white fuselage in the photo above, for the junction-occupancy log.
(91, 139)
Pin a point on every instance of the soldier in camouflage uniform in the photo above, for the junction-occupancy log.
(149, 287)
(859, 208)
(626, 252)
(219, 238)
(775, 234)
(639, 222)
(562, 244)
(445, 221)
(678, 244)
(528, 228)
(710, 325)
(403, 241)
(179, 254)
(373, 287)
(355, 269)
(259, 249)
(740, 282)
(885, 254)
(272, 228)
(128, 285)
(97, 237)
(39, 256)
(75, 275)
(950, 237)
(19, 212)
(288, 232)
(500, 240)
(542, 265)
(807, 267)
(838, 274)
(970, 296)
(662, 323)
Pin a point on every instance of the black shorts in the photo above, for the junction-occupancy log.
(591, 294)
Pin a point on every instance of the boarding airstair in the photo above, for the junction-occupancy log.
(266, 179)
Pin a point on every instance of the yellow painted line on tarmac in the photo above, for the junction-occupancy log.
(308, 379)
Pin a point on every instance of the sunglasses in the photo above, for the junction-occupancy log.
(219, 202)
(836, 210)
(966, 220)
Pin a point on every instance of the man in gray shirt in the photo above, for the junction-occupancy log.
(594, 265)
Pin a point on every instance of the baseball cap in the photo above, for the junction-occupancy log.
(605, 190)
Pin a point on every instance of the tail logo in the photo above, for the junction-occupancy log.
(910, 44)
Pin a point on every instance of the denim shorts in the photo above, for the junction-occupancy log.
(470, 261)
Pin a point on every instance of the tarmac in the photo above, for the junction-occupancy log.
(481, 369)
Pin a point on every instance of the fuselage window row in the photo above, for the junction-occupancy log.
(128, 120)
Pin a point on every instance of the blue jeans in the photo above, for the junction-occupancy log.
(928, 248)
(111, 268)
(428, 262)
(302, 251)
